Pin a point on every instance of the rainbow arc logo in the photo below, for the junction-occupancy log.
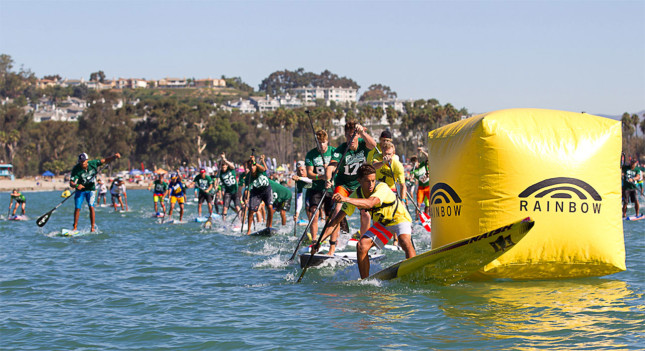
(560, 195)
(444, 201)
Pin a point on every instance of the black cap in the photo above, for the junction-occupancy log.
(386, 134)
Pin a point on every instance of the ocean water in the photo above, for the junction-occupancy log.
(141, 285)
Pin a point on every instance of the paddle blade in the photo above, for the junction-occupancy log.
(42, 220)
(426, 222)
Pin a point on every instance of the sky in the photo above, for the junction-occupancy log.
(482, 55)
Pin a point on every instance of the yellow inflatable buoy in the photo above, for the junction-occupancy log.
(66, 194)
(559, 168)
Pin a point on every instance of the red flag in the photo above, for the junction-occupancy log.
(426, 221)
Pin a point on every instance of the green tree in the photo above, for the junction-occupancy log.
(378, 92)
(97, 77)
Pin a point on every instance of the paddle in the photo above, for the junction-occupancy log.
(319, 147)
(247, 194)
(342, 158)
(42, 220)
(424, 217)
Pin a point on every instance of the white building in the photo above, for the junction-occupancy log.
(339, 95)
(265, 103)
(245, 106)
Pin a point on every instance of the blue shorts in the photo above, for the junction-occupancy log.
(89, 196)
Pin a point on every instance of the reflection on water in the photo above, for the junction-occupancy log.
(568, 314)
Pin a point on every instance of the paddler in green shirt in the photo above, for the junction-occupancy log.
(316, 161)
(229, 186)
(259, 190)
(281, 199)
(347, 177)
(204, 183)
(159, 191)
(20, 201)
(83, 179)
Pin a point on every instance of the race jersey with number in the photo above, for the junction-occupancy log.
(258, 183)
(203, 183)
(421, 174)
(279, 192)
(160, 186)
(318, 161)
(116, 189)
(227, 179)
(18, 198)
(630, 173)
(347, 174)
(86, 177)
(177, 189)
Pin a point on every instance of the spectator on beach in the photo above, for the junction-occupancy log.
(631, 176)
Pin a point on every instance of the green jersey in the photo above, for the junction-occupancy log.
(318, 161)
(86, 177)
(347, 174)
(630, 173)
(280, 193)
(203, 183)
(159, 186)
(421, 174)
(257, 183)
(227, 179)
(20, 198)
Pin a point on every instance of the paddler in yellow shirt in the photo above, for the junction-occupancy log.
(388, 213)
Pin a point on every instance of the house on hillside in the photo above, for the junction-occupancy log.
(172, 83)
(244, 106)
(210, 83)
(266, 103)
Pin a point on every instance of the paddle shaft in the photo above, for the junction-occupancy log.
(307, 227)
(342, 158)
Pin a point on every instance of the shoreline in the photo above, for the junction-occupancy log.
(31, 184)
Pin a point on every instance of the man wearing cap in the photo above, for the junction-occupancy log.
(177, 191)
(118, 193)
(83, 180)
(204, 183)
(377, 152)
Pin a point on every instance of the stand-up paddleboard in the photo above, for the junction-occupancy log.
(265, 232)
(69, 232)
(17, 218)
(201, 219)
(353, 242)
(158, 215)
(450, 263)
(302, 222)
(345, 257)
(635, 218)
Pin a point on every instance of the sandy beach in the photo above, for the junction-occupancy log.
(57, 183)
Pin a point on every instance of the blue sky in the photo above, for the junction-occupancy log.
(481, 55)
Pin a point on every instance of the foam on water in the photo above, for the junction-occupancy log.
(141, 285)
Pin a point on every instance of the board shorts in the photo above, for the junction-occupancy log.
(203, 196)
(115, 197)
(423, 193)
(313, 200)
(88, 195)
(178, 199)
(157, 197)
(20, 201)
(343, 190)
(381, 234)
(284, 205)
(265, 195)
(228, 197)
(629, 194)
